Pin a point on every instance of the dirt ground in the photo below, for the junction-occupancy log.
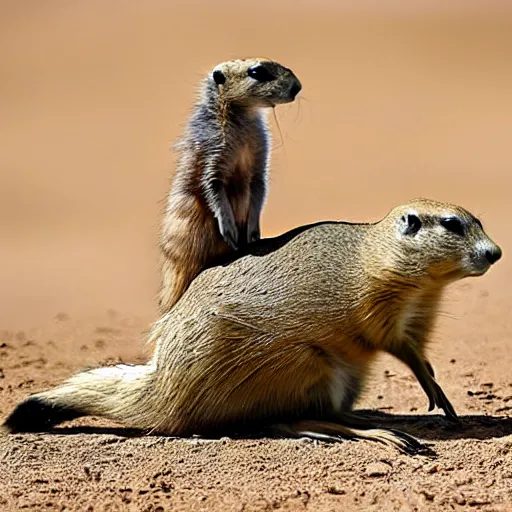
(413, 99)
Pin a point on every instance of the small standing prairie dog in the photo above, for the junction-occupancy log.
(219, 188)
(285, 336)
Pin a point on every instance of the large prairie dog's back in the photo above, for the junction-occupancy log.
(321, 261)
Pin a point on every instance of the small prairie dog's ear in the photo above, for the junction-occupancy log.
(410, 223)
(218, 77)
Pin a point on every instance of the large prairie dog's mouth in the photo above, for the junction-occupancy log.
(479, 266)
(479, 271)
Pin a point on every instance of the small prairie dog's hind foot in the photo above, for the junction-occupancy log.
(335, 432)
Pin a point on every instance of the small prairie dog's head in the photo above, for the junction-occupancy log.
(255, 82)
(441, 240)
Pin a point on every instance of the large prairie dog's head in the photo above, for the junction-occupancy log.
(255, 82)
(441, 240)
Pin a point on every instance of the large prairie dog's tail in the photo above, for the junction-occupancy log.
(121, 392)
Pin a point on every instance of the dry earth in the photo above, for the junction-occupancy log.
(408, 100)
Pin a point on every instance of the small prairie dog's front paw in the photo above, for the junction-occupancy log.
(253, 230)
(253, 236)
(229, 232)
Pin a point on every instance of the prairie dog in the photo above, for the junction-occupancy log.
(220, 184)
(285, 336)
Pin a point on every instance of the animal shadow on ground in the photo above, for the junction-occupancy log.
(436, 427)
(422, 426)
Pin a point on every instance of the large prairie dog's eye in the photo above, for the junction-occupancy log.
(453, 224)
(260, 73)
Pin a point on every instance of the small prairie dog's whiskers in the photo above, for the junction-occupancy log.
(281, 138)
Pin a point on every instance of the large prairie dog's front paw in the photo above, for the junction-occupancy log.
(443, 403)
(229, 230)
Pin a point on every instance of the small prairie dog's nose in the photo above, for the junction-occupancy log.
(493, 255)
(295, 89)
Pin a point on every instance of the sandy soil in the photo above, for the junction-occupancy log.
(398, 102)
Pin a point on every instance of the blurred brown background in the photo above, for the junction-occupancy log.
(411, 99)
(400, 99)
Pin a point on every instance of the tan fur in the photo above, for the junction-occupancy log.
(219, 188)
(285, 336)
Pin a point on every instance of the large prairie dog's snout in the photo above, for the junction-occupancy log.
(487, 253)
(492, 253)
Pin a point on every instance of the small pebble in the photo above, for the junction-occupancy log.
(459, 499)
(434, 468)
(377, 469)
(429, 495)
(478, 502)
(335, 490)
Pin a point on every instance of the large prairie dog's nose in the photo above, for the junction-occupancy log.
(493, 254)
(295, 88)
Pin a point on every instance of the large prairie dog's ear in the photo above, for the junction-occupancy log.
(410, 223)
(218, 77)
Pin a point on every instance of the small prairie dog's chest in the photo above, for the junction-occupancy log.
(239, 179)
(244, 143)
(246, 146)
(244, 161)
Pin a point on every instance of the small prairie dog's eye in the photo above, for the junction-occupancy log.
(260, 73)
(218, 77)
(453, 224)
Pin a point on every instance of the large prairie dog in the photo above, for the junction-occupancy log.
(220, 184)
(285, 336)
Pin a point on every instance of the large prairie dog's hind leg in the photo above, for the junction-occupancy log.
(334, 432)
(352, 393)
